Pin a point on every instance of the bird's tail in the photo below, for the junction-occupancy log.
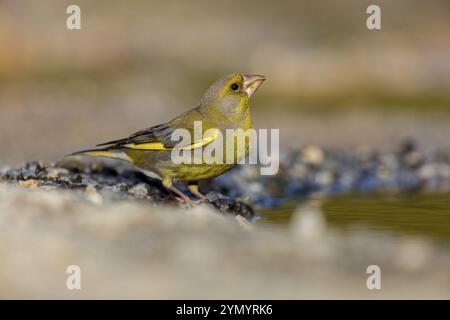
(103, 152)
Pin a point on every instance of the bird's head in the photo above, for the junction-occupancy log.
(230, 94)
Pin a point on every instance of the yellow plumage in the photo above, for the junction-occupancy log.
(225, 105)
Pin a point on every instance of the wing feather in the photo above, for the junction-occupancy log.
(159, 137)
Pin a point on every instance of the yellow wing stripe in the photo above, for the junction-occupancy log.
(147, 146)
(160, 146)
(100, 154)
(205, 141)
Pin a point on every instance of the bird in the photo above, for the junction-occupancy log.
(225, 105)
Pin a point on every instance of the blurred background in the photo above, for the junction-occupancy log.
(331, 81)
(332, 85)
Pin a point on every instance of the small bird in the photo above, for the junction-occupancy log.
(225, 105)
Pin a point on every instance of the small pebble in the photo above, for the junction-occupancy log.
(93, 195)
(30, 184)
(55, 173)
(313, 155)
(140, 190)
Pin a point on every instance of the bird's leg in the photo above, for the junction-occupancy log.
(184, 198)
(193, 188)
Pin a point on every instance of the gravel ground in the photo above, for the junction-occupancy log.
(312, 169)
(302, 173)
(132, 239)
(109, 183)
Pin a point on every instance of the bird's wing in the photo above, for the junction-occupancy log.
(159, 134)
(159, 138)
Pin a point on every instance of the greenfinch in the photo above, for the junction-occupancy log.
(225, 105)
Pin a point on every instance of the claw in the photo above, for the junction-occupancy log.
(200, 201)
(181, 196)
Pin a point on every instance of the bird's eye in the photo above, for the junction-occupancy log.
(234, 87)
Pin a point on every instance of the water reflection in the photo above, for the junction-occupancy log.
(426, 215)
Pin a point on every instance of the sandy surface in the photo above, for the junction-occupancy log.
(134, 250)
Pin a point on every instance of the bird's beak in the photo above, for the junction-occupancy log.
(252, 82)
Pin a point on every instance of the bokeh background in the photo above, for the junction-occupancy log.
(331, 81)
(332, 84)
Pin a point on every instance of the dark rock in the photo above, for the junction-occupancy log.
(34, 167)
(28, 174)
(13, 174)
(407, 145)
(76, 178)
(228, 205)
(120, 187)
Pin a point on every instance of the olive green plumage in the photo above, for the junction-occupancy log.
(225, 105)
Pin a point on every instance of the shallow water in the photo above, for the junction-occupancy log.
(425, 215)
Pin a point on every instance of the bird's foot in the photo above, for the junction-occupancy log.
(193, 188)
(187, 201)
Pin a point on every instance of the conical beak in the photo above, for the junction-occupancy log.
(252, 82)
